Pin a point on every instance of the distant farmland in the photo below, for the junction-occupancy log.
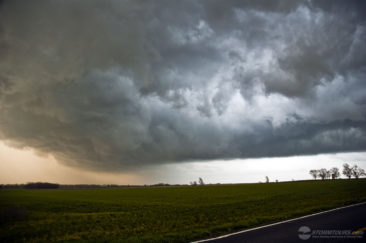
(167, 214)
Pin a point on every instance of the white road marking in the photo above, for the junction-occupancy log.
(269, 225)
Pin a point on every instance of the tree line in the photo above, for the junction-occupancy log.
(334, 173)
(41, 185)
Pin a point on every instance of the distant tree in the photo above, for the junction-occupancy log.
(334, 173)
(314, 173)
(276, 181)
(200, 181)
(323, 173)
(267, 179)
(161, 184)
(347, 170)
(328, 174)
(357, 171)
(41, 185)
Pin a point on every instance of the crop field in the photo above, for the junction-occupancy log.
(165, 214)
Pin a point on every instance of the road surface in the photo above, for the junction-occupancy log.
(338, 225)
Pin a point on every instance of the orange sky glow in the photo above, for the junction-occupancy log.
(22, 166)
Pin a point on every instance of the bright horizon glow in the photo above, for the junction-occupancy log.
(24, 165)
(21, 166)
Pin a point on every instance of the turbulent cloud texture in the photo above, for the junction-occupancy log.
(115, 85)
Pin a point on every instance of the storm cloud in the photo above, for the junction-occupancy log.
(116, 85)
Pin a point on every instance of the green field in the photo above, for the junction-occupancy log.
(168, 214)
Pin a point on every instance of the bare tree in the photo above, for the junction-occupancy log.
(334, 173)
(314, 173)
(193, 183)
(267, 179)
(323, 173)
(327, 176)
(347, 170)
(357, 171)
(200, 181)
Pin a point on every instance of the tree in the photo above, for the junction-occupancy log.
(347, 170)
(200, 181)
(334, 172)
(323, 173)
(327, 176)
(357, 171)
(41, 185)
(267, 179)
(314, 173)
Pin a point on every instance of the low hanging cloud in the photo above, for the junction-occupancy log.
(116, 85)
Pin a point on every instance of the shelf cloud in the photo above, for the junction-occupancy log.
(117, 85)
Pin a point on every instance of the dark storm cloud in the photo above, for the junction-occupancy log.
(115, 85)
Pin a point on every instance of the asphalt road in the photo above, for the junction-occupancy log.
(332, 226)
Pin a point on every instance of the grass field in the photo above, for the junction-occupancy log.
(169, 214)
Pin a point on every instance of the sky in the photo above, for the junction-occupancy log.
(134, 92)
